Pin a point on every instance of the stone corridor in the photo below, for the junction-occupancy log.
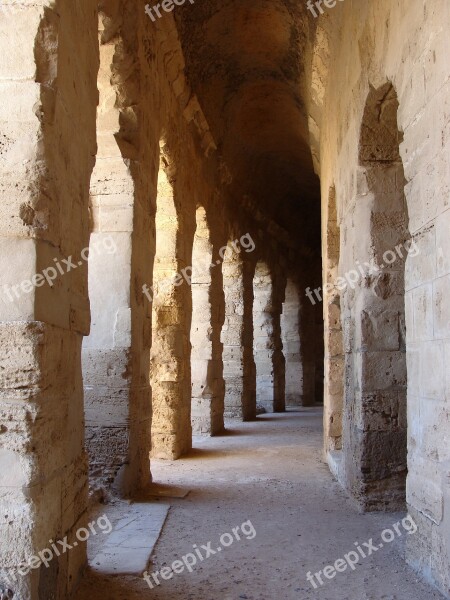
(214, 224)
(270, 472)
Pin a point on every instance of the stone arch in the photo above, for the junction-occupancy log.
(375, 359)
(207, 321)
(116, 354)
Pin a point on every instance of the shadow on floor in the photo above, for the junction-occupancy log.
(118, 587)
(202, 454)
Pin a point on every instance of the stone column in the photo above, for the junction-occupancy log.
(208, 386)
(267, 343)
(334, 351)
(237, 337)
(290, 327)
(172, 305)
(116, 354)
(47, 117)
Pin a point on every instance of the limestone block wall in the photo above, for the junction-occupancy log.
(48, 123)
(364, 54)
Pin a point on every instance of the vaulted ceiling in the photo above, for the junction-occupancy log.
(245, 60)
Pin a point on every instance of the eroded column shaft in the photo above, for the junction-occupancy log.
(268, 348)
(207, 319)
(171, 348)
(237, 338)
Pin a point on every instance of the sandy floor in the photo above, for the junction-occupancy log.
(270, 473)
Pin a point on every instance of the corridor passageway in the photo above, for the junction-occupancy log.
(270, 472)
(217, 216)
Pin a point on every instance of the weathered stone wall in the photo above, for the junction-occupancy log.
(48, 123)
(378, 112)
(410, 51)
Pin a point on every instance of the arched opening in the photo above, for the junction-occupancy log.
(116, 353)
(375, 391)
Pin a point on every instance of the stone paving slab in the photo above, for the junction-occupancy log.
(127, 549)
